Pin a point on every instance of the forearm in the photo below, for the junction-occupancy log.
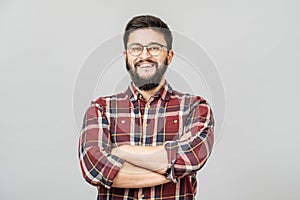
(131, 176)
(153, 158)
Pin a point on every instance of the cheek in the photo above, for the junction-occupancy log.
(131, 61)
(163, 60)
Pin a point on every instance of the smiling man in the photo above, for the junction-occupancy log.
(149, 141)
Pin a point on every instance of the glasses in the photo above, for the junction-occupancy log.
(154, 49)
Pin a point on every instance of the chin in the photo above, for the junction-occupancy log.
(148, 86)
(146, 77)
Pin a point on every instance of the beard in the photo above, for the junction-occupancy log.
(148, 83)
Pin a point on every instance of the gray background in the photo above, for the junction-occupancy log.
(255, 45)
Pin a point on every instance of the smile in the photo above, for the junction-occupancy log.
(146, 65)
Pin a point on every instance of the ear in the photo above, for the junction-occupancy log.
(170, 56)
(125, 54)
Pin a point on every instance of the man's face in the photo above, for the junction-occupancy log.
(145, 69)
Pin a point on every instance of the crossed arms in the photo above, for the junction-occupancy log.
(130, 166)
(144, 166)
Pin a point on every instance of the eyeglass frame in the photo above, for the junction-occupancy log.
(146, 46)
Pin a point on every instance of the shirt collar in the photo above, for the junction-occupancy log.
(164, 93)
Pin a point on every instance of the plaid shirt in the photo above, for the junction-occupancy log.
(182, 123)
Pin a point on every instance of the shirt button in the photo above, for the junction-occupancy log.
(148, 106)
(175, 121)
(141, 195)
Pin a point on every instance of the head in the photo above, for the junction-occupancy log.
(148, 50)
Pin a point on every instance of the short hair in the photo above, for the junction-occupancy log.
(148, 21)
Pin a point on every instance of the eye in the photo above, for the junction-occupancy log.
(154, 47)
(135, 48)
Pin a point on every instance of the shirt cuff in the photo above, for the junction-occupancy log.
(171, 148)
(113, 172)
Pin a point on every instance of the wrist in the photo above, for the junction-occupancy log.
(124, 147)
(120, 151)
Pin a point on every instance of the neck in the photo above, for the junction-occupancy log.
(147, 94)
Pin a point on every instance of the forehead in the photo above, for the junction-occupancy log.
(146, 36)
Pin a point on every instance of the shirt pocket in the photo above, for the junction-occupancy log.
(172, 124)
(171, 128)
(120, 131)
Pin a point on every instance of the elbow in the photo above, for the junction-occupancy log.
(193, 160)
(201, 156)
(89, 176)
(98, 167)
(183, 168)
(96, 179)
(198, 165)
(93, 169)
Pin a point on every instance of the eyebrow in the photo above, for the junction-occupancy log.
(147, 44)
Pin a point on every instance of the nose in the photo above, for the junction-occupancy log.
(145, 54)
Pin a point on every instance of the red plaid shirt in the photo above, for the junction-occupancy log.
(182, 123)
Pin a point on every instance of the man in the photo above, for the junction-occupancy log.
(149, 141)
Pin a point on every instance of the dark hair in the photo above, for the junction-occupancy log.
(148, 21)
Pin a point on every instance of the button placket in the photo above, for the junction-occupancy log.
(141, 196)
(147, 107)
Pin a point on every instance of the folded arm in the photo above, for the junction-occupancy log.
(98, 165)
(131, 176)
(189, 154)
(153, 158)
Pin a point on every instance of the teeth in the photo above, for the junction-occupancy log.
(146, 65)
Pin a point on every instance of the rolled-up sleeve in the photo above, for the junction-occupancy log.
(98, 165)
(190, 152)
